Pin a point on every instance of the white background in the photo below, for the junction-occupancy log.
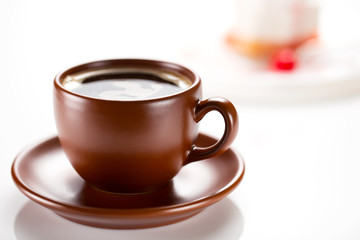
(303, 161)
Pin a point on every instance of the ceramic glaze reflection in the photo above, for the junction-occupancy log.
(125, 89)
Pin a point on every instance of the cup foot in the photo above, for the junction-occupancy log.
(127, 191)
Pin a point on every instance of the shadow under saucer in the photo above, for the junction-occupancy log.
(223, 220)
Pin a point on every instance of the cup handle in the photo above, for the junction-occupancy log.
(228, 111)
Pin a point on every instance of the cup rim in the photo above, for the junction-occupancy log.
(128, 62)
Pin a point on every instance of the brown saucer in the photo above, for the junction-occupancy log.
(43, 173)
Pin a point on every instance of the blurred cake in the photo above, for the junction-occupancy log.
(264, 27)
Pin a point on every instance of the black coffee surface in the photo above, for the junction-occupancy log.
(125, 88)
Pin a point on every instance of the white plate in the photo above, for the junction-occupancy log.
(320, 75)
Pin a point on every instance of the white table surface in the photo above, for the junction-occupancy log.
(302, 176)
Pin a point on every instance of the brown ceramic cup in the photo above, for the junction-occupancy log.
(135, 146)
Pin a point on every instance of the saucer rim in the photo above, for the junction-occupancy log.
(56, 206)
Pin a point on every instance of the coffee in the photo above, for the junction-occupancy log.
(126, 86)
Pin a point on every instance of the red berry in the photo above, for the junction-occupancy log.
(284, 60)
